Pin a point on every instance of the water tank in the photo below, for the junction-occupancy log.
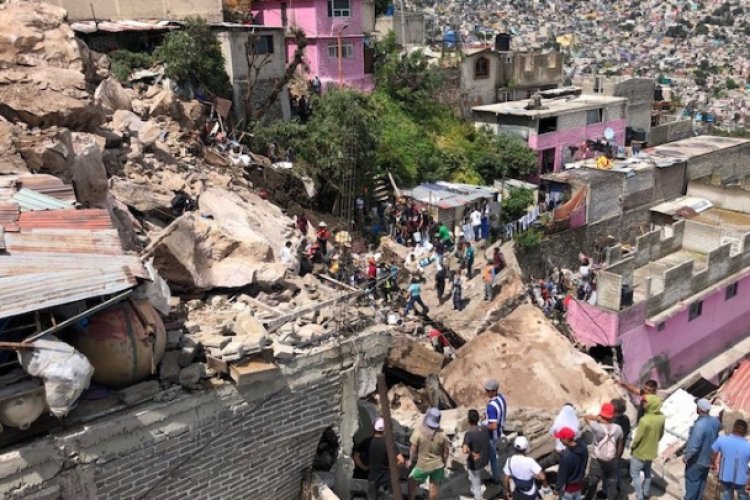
(502, 42)
(626, 297)
(123, 343)
(450, 39)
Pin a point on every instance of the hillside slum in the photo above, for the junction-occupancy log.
(142, 258)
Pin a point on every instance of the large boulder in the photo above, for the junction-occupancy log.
(49, 151)
(231, 244)
(197, 253)
(111, 96)
(536, 366)
(88, 173)
(146, 197)
(11, 161)
(41, 69)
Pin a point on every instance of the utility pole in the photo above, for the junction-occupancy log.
(390, 443)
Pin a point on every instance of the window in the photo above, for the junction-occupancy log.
(731, 291)
(339, 8)
(594, 116)
(347, 50)
(552, 60)
(264, 44)
(482, 68)
(696, 309)
(528, 65)
(548, 125)
(661, 326)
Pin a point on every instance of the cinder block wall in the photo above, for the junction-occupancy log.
(207, 446)
(216, 444)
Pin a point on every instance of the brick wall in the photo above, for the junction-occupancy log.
(221, 443)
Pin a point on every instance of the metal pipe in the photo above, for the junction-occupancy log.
(341, 68)
(390, 443)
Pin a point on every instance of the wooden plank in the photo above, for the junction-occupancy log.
(413, 357)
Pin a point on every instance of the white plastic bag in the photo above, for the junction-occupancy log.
(66, 372)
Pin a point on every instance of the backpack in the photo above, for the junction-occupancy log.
(606, 449)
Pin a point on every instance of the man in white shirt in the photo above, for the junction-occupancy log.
(524, 471)
(475, 218)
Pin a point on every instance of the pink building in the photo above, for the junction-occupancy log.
(327, 23)
(558, 129)
(679, 299)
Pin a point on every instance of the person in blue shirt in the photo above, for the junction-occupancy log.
(415, 296)
(497, 410)
(731, 455)
(697, 455)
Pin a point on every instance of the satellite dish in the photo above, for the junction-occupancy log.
(609, 134)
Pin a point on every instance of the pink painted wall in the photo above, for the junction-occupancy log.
(311, 16)
(683, 344)
(592, 325)
(575, 137)
(326, 68)
(687, 344)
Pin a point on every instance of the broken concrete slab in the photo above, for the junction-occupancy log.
(138, 393)
(253, 371)
(414, 357)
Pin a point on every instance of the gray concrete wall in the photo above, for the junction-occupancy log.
(726, 164)
(222, 443)
(269, 67)
(79, 10)
(413, 23)
(670, 132)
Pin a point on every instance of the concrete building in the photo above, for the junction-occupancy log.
(79, 10)
(338, 34)
(226, 441)
(408, 28)
(254, 55)
(557, 129)
(638, 91)
(489, 76)
(671, 304)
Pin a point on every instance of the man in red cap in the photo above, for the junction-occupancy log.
(608, 445)
(573, 461)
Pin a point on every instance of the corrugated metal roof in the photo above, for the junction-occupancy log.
(29, 199)
(89, 219)
(33, 292)
(62, 256)
(736, 391)
(49, 185)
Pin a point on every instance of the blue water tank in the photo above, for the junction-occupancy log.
(389, 10)
(450, 39)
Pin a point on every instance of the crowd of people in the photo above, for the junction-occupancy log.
(589, 453)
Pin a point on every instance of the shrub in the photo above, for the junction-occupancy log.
(125, 61)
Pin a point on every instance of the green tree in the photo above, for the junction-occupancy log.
(515, 204)
(342, 137)
(503, 155)
(194, 55)
(405, 77)
(730, 83)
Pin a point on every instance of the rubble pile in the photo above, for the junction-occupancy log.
(42, 81)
